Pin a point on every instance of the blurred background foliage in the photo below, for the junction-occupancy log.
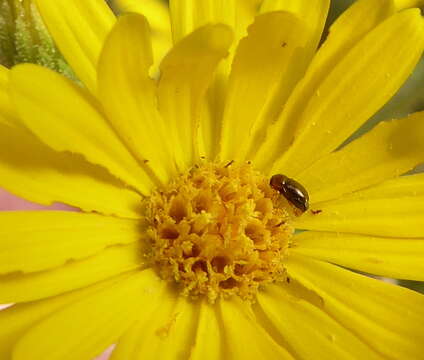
(24, 38)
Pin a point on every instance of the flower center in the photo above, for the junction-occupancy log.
(220, 230)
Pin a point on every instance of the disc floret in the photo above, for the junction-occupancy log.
(219, 230)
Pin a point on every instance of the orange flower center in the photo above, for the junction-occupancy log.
(220, 230)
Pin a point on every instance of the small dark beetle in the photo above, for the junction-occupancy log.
(291, 190)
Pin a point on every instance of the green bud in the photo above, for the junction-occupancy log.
(24, 38)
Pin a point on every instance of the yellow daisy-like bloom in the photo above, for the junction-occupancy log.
(183, 248)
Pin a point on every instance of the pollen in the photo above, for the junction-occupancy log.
(219, 230)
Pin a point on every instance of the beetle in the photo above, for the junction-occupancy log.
(294, 192)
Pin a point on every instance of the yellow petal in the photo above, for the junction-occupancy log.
(266, 66)
(16, 320)
(165, 331)
(156, 12)
(388, 150)
(186, 16)
(79, 28)
(390, 257)
(65, 117)
(351, 27)
(39, 240)
(359, 85)
(157, 15)
(115, 260)
(86, 327)
(404, 186)
(394, 208)
(189, 15)
(404, 4)
(308, 330)
(5, 104)
(208, 343)
(246, 339)
(186, 73)
(312, 13)
(128, 94)
(31, 170)
(128, 345)
(4, 120)
(388, 318)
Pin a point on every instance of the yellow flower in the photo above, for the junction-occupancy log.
(183, 250)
